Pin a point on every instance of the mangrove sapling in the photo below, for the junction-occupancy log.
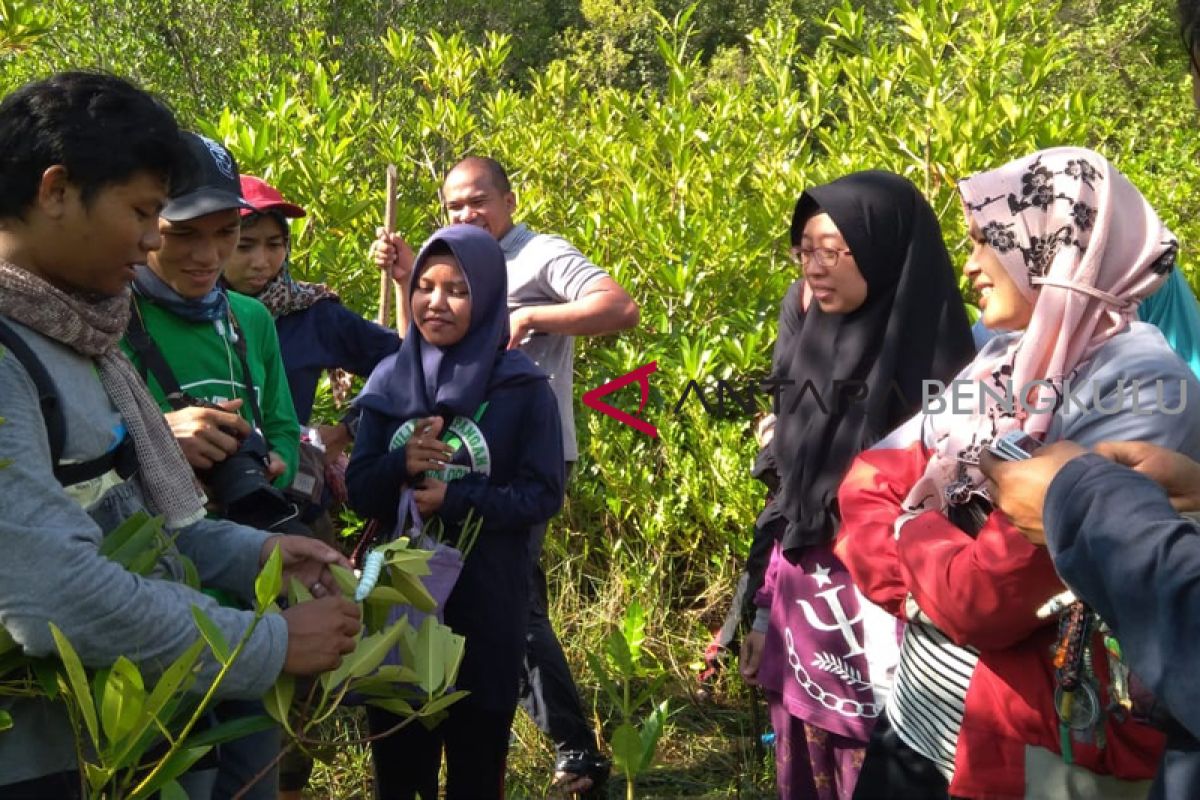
(625, 663)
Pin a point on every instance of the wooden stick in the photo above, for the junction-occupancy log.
(401, 323)
(389, 225)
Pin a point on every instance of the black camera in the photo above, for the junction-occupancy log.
(239, 485)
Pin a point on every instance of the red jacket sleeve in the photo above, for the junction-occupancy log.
(983, 592)
(870, 501)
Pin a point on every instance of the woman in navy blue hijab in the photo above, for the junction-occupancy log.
(453, 379)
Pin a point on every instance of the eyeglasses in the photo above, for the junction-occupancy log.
(826, 257)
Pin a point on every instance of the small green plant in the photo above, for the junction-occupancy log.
(22, 24)
(137, 544)
(624, 665)
(133, 742)
(419, 688)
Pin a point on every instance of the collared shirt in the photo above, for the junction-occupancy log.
(547, 270)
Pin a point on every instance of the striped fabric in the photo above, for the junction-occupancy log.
(930, 693)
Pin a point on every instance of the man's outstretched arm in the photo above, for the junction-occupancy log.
(1119, 544)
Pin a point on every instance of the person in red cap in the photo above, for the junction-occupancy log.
(316, 332)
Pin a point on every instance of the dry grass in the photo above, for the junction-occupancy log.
(707, 750)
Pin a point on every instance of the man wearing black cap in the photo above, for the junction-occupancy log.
(211, 359)
(211, 339)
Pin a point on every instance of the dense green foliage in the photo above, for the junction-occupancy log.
(669, 143)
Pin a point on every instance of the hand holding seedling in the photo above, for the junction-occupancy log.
(320, 632)
(307, 560)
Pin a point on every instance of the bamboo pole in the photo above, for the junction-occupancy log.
(385, 278)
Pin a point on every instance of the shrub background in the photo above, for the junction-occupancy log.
(669, 142)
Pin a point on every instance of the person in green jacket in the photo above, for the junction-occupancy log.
(211, 359)
(200, 327)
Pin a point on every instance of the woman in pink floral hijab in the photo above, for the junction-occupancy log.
(1082, 247)
(1065, 249)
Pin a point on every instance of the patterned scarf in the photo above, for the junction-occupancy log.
(94, 328)
(1083, 245)
(284, 295)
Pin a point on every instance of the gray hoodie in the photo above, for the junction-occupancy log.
(51, 569)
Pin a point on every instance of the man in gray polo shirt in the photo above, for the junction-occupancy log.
(554, 294)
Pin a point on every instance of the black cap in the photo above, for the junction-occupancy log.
(210, 182)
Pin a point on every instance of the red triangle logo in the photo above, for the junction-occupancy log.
(592, 400)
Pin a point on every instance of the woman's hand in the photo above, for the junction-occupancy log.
(751, 657)
(430, 496)
(424, 451)
(336, 439)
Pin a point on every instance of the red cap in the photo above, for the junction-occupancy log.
(265, 197)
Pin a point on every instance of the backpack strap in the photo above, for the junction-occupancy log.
(123, 458)
(52, 414)
(151, 358)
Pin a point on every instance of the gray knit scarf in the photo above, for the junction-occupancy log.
(93, 328)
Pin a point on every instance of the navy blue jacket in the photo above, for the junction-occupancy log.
(1120, 546)
(327, 335)
(489, 604)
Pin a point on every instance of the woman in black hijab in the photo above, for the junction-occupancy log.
(885, 315)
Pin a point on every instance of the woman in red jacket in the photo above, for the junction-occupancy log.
(1065, 248)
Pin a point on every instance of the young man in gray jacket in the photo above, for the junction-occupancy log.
(86, 165)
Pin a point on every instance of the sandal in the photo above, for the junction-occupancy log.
(580, 764)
